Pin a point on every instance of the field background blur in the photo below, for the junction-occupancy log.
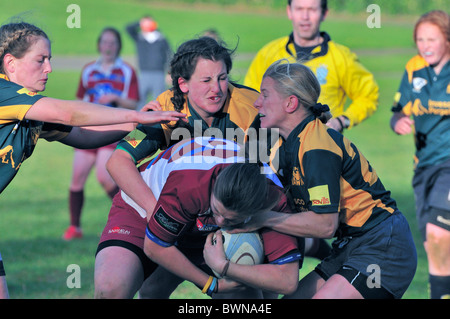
(34, 208)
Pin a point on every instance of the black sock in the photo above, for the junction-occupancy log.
(439, 287)
(76, 200)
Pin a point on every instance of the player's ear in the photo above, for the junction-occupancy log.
(288, 12)
(9, 63)
(183, 84)
(292, 104)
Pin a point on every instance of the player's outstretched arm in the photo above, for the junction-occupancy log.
(79, 113)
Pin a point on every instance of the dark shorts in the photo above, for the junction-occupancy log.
(385, 257)
(432, 194)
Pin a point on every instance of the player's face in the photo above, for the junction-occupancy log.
(108, 46)
(207, 89)
(270, 105)
(432, 45)
(31, 71)
(306, 16)
(223, 216)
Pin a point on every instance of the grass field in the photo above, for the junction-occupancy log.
(34, 208)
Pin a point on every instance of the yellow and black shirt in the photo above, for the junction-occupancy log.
(18, 136)
(426, 97)
(325, 173)
(237, 115)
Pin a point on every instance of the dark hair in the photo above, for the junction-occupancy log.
(116, 34)
(16, 39)
(242, 188)
(323, 5)
(185, 60)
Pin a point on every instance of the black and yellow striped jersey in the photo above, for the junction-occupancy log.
(19, 136)
(325, 173)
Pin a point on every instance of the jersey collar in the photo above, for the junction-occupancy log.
(319, 50)
(293, 136)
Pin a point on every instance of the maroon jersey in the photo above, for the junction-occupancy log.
(182, 179)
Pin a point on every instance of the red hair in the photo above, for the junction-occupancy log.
(439, 18)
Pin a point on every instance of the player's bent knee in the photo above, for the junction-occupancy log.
(107, 288)
(112, 279)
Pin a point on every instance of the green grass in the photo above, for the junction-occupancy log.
(34, 208)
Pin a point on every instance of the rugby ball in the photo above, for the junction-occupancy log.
(243, 248)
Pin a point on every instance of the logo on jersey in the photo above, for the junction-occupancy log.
(201, 226)
(167, 222)
(27, 92)
(296, 178)
(134, 138)
(6, 155)
(118, 230)
(418, 84)
(319, 195)
(206, 227)
(321, 74)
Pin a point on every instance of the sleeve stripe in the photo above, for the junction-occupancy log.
(295, 255)
(155, 239)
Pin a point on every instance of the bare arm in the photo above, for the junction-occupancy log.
(282, 279)
(304, 224)
(78, 113)
(123, 170)
(176, 262)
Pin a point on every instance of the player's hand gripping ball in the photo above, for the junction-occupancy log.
(242, 248)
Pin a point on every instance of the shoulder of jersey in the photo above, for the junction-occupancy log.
(416, 63)
(209, 148)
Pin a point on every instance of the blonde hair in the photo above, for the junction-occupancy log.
(16, 39)
(439, 18)
(298, 80)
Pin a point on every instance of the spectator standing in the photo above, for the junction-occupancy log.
(154, 54)
(108, 81)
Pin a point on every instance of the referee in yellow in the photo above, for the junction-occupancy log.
(338, 70)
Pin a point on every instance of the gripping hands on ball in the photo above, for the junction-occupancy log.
(214, 253)
(222, 248)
